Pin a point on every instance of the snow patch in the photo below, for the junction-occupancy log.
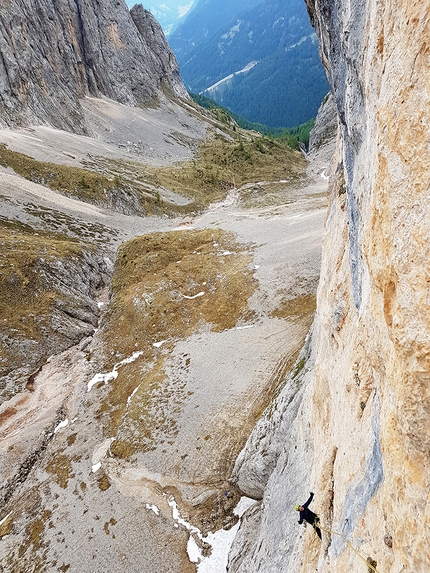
(153, 508)
(216, 85)
(61, 425)
(193, 550)
(159, 344)
(95, 468)
(195, 296)
(220, 541)
(107, 377)
(5, 518)
(233, 31)
(303, 39)
(323, 175)
(183, 10)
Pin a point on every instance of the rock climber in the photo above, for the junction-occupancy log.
(308, 515)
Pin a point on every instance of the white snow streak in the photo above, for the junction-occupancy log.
(220, 541)
(195, 296)
(130, 398)
(61, 425)
(4, 518)
(153, 508)
(107, 377)
(244, 70)
(95, 468)
(102, 378)
(323, 175)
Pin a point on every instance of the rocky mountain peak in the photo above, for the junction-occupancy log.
(166, 66)
(58, 51)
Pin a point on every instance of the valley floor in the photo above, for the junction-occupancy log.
(130, 436)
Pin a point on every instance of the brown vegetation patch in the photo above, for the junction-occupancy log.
(54, 222)
(103, 482)
(6, 526)
(300, 307)
(60, 467)
(71, 439)
(222, 164)
(154, 276)
(31, 290)
(25, 296)
(34, 540)
(87, 185)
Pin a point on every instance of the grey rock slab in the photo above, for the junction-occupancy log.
(56, 52)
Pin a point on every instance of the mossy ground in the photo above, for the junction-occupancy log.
(221, 163)
(299, 307)
(34, 266)
(87, 185)
(6, 527)
(26, 298)
(60, 467)
(31, 552)
(154, 275)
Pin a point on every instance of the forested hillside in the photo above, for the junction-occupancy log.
(203, 21)
(262, 63)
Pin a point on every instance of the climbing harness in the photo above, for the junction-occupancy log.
(368, 564)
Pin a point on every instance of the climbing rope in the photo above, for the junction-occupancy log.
(368, 564)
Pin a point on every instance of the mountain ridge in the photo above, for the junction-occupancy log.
(79, 50)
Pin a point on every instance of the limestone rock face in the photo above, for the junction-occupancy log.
(73, 283)
(57, 51)
(361, 439)
(325, 127)
(166, 69)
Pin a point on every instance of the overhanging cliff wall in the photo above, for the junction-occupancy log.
(361, 438)
(53, 52)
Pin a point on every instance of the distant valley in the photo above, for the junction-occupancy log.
(259, 59)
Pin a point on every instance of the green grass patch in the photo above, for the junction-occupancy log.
(299, 367)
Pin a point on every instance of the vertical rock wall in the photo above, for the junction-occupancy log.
(361, 438)
(53, 52)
